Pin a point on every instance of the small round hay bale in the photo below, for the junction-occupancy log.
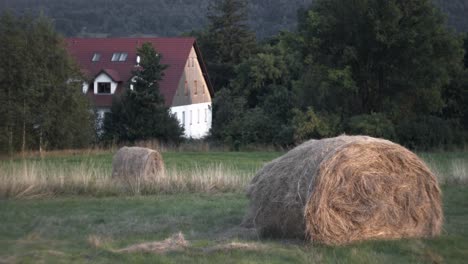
(135, 166)
(341, 190)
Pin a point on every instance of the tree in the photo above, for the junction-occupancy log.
(227, 41)
(390, 56)
(140, 113)
(42, 106)
(465, 46)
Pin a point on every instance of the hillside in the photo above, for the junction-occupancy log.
(175, 17)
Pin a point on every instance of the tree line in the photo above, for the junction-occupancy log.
(383, 68)
(172, 18)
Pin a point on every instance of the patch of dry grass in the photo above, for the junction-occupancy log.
(90, 174)
(29, 179)
(454, 172)
(176, 242)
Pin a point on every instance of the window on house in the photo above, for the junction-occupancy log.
(195, 84)
(198, 116)
(115, 56)
(96, 57)
(183, 118)
(104, 88)
(186, 88)
(191, 117)
(206, 115)
(123, 56)
(193, 62)
(119, 56)
(203, 89)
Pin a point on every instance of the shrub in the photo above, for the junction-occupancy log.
(428, 132)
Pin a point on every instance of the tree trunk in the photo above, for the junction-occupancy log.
(23, 144)
(40, 142)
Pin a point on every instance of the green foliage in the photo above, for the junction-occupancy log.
(396, 55)
(375, 124)
(266, 124)
(262, 73)
(227, 111)
(41, 104)
(309, 125)
(125, 18)
(140, 114)
(227, 40)
(465, 46)
(426, 132)
(63, 230)
(328, 89)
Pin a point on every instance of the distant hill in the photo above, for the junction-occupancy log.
(175, 17)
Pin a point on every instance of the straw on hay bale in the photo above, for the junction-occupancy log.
(135, 166)
(340, 190)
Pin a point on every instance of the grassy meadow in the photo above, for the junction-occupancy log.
(65, 209)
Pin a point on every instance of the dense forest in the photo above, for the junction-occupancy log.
(175, 17)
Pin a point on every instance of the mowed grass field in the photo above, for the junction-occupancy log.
(79, 225)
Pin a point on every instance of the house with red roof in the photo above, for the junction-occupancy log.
(108, 63)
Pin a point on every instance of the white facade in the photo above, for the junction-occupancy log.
(85, 87)
(104, 78)
(101, 112)
(195, 118)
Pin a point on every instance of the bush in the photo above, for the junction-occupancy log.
(429, 132)
(309, 125)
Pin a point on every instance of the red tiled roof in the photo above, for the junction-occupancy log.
(175, 52)
(115, 76)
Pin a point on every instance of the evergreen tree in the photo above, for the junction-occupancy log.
(465, 46)
(140, 113)
(228, 40)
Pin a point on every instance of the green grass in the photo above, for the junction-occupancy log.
(57, 230)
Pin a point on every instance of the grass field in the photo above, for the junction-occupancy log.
(69, 226)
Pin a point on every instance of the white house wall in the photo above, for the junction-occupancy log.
(85, 87)
(198, 117)
(104, 78)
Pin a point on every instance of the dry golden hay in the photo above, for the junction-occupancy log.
(176, 242)
(235, 246)
(136, 166)
(341, 190)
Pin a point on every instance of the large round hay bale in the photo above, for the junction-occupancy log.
(137, 166)
(340, 190)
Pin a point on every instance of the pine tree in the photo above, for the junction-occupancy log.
(228, 40)
(140, 113)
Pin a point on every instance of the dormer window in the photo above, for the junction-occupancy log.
(104, 88)
(119, 56)
(96, 57)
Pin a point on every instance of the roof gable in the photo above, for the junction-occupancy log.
(114, 75)
(175, 52)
